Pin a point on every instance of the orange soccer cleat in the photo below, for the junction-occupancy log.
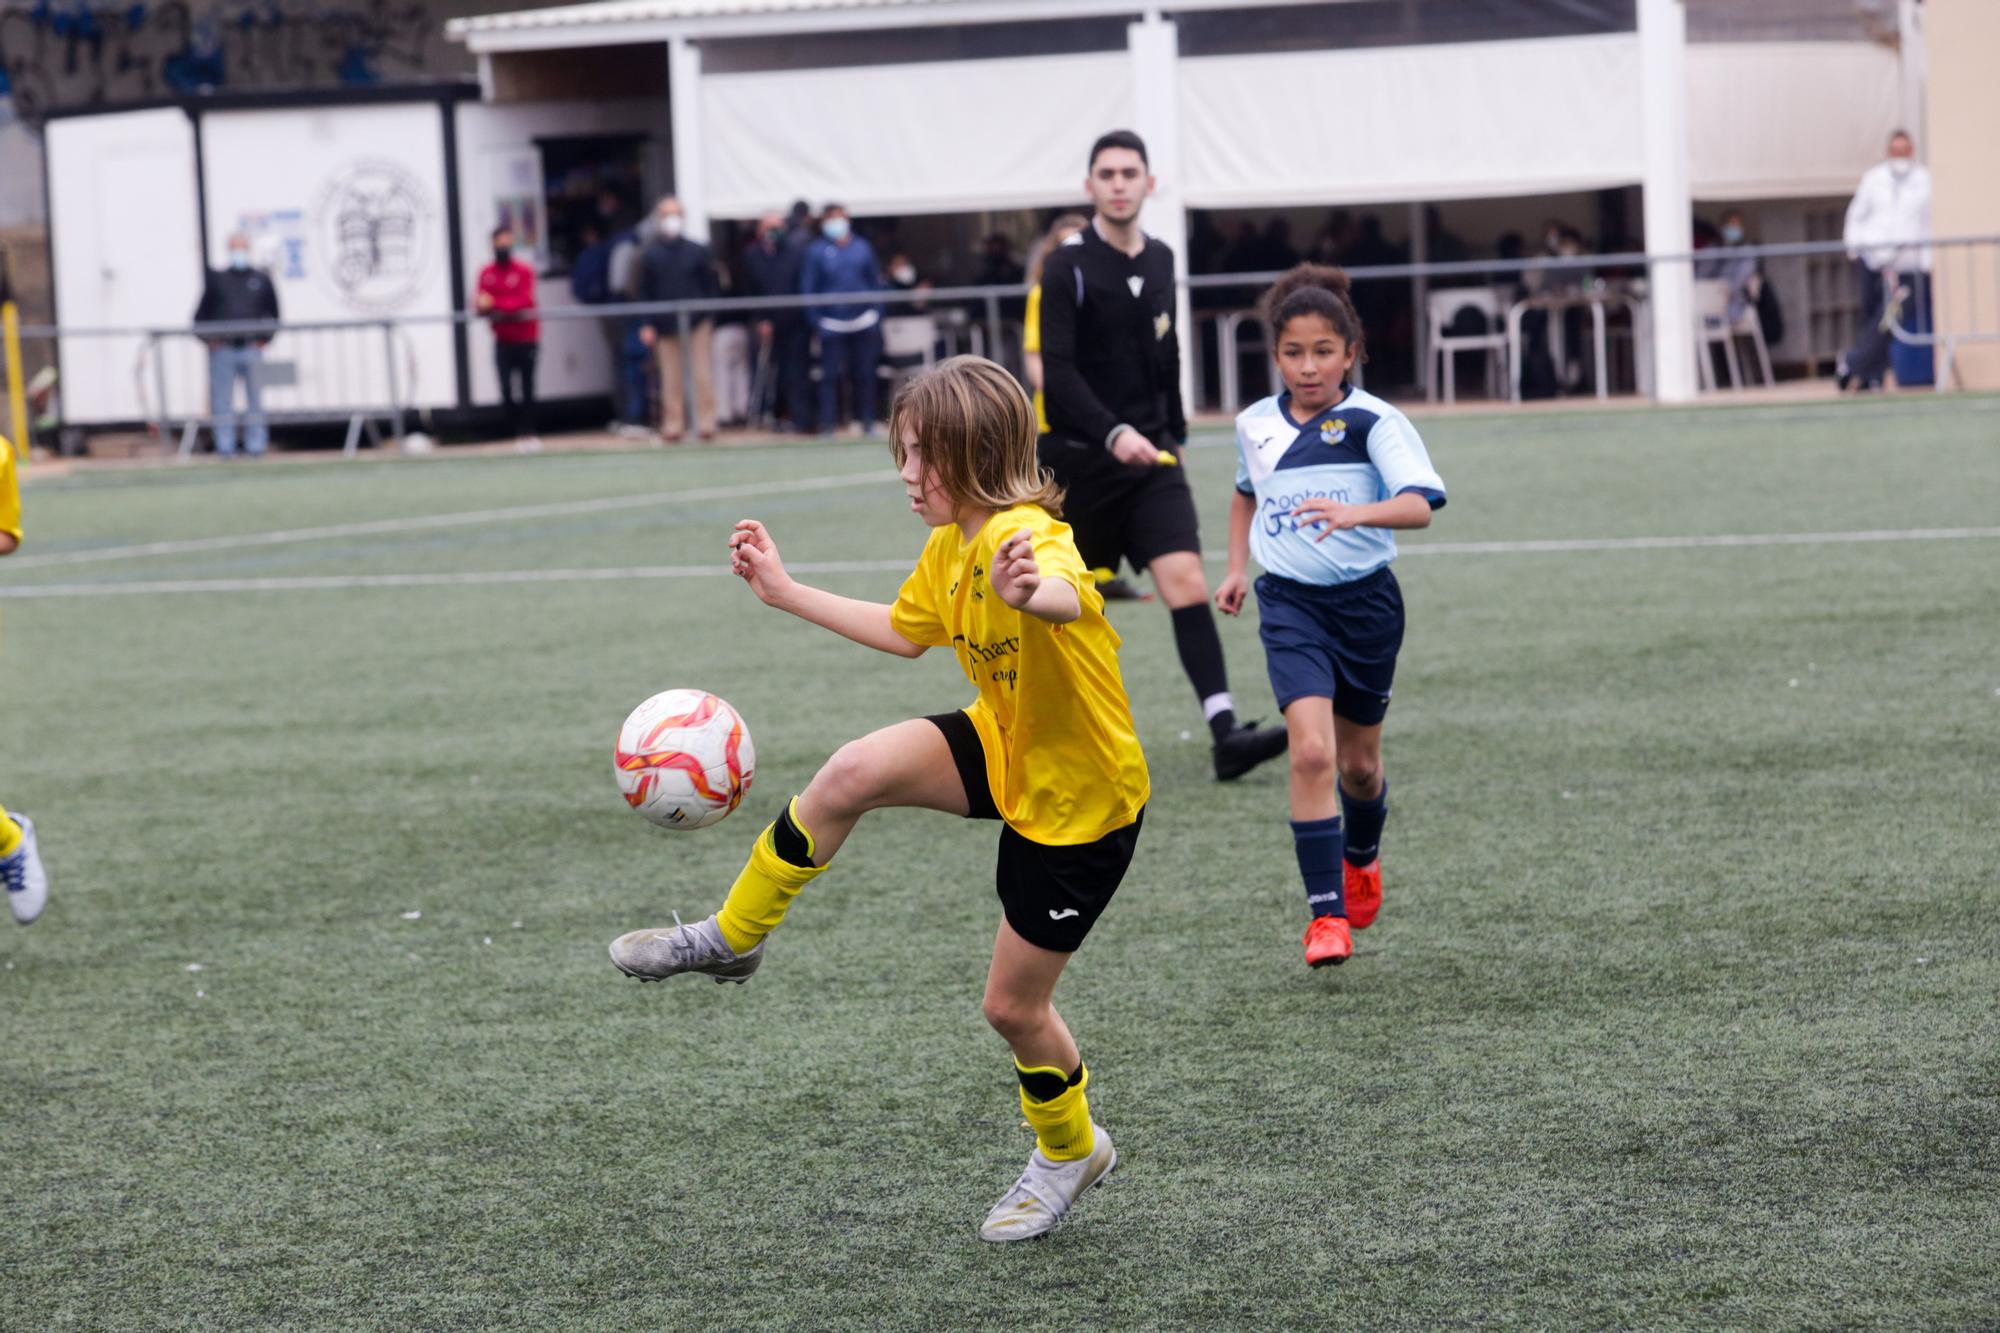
(1327, 941)
(1362, 888)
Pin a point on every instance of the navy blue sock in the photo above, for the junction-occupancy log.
(1364, 824)
(1317, 841)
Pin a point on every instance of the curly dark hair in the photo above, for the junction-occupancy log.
(1321, 290)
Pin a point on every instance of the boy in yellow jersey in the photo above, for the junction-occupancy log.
(21, 873)
(1047, 748)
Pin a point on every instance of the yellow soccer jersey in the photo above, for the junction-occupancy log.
(1062, 759)
(10, 492)
(1031, 341)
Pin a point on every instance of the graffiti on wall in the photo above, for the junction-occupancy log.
(58, 55)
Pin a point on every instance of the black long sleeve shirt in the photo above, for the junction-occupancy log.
(238, 296)
(1110, 352)
(676, 270)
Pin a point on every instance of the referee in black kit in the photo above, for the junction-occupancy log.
(1112, 373)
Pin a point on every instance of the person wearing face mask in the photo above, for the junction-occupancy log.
(674, 267)
(771, 267)
(1888, 221)
(850, 332)
(1738, 271)
(237, 294)
(506, 296)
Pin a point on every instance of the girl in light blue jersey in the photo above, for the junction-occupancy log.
(1325, 473)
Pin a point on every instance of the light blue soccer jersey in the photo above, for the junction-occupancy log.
(1358, 451)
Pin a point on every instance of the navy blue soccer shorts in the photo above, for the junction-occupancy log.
(1335, 642)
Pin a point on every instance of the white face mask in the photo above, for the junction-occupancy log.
(239, 259)
(1900, 166)
(904, 274)
(834, 228)
(670, 226)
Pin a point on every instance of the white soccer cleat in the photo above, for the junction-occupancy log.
(1047, 1190)
(655, 955)
(26, 882)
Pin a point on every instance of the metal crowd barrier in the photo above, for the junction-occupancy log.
(321, 361)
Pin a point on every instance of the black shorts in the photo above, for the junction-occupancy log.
(1337, 643)
(1052, 896)
(1118, 510)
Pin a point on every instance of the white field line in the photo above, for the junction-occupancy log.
(468, 518)
(1696, 543)
(630, 573)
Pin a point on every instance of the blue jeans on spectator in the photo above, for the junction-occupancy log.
(635, 363)
(228, 362)
(1868, 360)
(850, 356)
(792, 348)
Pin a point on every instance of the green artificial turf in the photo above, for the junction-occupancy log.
(1681, 1009)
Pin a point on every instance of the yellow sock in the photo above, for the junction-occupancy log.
(1062, 1124)
(10, 833)
(760, 895)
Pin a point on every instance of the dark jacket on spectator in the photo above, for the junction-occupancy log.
(233, 295)
(676, 270)
(775, 272)
(832, 268)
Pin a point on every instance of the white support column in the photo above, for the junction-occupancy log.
(1669, 206)
(1155, 48)
(1913, 72)
(684, 101)
(1420, 290)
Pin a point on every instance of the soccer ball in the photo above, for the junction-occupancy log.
(684, 759)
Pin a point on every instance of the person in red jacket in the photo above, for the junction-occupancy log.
(507, 297)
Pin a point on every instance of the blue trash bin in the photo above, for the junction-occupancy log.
(1912, 361)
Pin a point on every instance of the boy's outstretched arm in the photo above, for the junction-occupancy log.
(754, 558)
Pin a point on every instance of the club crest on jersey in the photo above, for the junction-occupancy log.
(1334, 431)
(1163, 323)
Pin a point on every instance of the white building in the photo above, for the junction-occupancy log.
(912, 107)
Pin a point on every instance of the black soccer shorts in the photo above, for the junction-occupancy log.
(1119, 510)
(1052, 896)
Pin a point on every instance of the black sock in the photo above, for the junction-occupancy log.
(1045, 1085)
(1364, 824)
(1200, 648)
(789, 841)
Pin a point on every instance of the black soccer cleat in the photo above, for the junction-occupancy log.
(1245, 748)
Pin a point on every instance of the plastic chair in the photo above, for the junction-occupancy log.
(909, 344)
(1711, 308)
(1444, 308)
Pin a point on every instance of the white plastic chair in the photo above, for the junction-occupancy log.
(1444, 307)
(1711, 308)
(909, 344)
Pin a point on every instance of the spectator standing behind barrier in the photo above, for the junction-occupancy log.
(674, 268)
(772, 267)
(1892, 205)
(590, 284)
(732, 354)
(237, 294)
(850, 333)
(506, 296)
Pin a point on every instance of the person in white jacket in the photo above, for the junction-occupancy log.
(1887, 223)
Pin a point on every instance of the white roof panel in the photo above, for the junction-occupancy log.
(666, 11)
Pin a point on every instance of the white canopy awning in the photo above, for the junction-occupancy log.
(925, 138)
(1788, 120)
(1411, 123)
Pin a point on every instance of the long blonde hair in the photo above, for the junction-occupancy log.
(977, 430)
(1060, 230)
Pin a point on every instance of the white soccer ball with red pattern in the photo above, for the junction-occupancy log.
(684, 759)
